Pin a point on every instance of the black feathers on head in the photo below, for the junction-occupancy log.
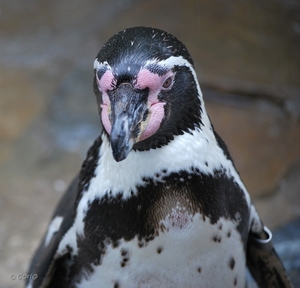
(139, 44)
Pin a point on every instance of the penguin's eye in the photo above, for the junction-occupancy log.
(168, 82)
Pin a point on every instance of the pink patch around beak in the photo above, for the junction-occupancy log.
(157, 114)
(104, 117)
(104, 84)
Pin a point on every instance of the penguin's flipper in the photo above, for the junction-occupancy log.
(48, 264)
(264, 263)
(42, 262)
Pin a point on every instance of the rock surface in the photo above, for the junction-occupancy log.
(248, 62)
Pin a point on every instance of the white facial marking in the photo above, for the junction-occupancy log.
(100, 65)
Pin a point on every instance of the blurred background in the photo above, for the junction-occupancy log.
(247, 56)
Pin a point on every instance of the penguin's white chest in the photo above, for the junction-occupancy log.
(187, 252)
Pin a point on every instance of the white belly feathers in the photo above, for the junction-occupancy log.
(190, 252)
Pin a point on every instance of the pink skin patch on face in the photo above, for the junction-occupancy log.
(145, 79)
(153, 81)
(104, 118)
(157, 113)
(105, 84)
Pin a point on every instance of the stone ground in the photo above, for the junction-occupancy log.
(248, 62)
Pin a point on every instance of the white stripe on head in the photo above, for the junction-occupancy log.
(177, 61)
(180, 61)
(100, 65)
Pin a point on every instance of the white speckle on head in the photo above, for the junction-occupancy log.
(132, 42)
(53, 228)
(128, 68)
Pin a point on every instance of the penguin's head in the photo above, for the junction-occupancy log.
(146, 89)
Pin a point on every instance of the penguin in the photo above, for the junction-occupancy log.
(158, 201)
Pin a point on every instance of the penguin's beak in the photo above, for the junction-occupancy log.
(128, 106)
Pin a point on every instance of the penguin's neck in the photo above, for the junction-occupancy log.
(194, 150)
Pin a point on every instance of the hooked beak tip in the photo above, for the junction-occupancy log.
(120, 155)
(121, 148)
